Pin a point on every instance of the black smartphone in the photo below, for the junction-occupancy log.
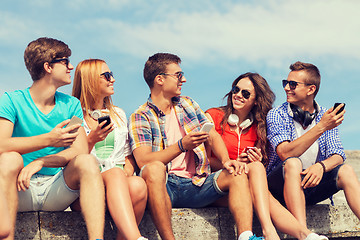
(341, 109)
(104, 118)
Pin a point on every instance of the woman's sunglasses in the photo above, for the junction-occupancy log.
(245, 93)
(107, 75)
(292, 84)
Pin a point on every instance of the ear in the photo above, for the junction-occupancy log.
(312, 89)
(47, 67)
(159, 80)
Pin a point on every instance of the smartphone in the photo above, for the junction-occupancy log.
(206, 127)
(341, 109)
(74, 120)
(248, 148)
(104, 118)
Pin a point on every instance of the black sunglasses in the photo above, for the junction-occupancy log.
(107, 75)
(245, 93)
(292, 84)
(179, 75)
(66, 61)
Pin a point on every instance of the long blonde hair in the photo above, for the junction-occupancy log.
(86, 87)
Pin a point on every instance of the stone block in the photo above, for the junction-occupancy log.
(27, 226)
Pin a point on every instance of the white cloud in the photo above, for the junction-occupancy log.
(281, 29)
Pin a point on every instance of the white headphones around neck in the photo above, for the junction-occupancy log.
(233, 120)
(95, 114)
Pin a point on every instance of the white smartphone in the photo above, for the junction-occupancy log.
(206, 127)
(74, 120)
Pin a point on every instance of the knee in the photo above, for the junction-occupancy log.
(10, 163)
(256, 168)
(86, 163)
(347, 174)
(293, 166)
(154, 172)
(138, 188)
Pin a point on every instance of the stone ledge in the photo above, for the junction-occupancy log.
(336, 222)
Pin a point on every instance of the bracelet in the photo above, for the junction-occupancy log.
(323, 165)
(180, 145)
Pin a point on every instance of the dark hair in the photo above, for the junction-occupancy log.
(313, 73)
(156, 64)
(264, 100)
(43, 50)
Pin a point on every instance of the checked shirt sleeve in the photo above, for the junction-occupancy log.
(139, 131)
(278, 128)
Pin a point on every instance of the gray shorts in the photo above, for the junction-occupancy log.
(47, 193)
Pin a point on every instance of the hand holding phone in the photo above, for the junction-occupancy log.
(104, 118)
(341, 109)
(74, 120)
(248, 148)
(206, 127)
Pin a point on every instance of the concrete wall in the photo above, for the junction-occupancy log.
(336, 222)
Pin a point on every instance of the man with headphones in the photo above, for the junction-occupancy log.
(306, 156)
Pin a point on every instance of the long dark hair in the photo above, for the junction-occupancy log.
(264, 100)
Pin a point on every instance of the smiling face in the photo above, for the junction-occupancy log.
(106, 87)
(239, 102)
(61, 72)
(301, 94)
(170, 81)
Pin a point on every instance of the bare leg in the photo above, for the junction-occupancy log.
(83, 173)
(119, 203)
(240, 204)
(138, 195)
(10, 165)
(293, 192)
(5, 224)
(285, 221)
(260, 197)
(350, 183)
(159, 203)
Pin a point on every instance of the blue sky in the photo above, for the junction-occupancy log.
(217, 41)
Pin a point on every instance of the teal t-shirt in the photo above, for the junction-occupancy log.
(19, 108)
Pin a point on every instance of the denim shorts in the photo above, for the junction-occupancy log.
(325, 189)
(183, 193)
(47, 193)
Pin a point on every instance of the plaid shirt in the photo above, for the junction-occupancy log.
(147, 128)
(281, 127)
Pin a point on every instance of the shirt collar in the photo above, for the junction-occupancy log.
(150, 103)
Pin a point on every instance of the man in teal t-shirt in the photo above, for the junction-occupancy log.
(43, 162)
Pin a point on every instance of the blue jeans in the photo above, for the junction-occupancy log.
(183, 193)
(325, 189)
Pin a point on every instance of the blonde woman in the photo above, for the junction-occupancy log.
(126, 195)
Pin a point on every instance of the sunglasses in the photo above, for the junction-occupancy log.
(245, 93)
(292, 84)
(107, 75)
(65, 61)
(179, 75)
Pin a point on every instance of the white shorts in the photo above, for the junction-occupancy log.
(47, 193)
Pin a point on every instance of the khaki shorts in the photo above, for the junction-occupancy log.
(47, 193)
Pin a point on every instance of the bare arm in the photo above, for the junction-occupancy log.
(145, 155)
(58, 137)
(60, 159)
(315, 172)
(130, 166)
(297, 147)
(98, 134)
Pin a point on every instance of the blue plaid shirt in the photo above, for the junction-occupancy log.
(147, 128)
(281, 127)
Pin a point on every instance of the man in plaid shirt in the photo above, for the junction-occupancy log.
(306, 159)
(170, 149)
